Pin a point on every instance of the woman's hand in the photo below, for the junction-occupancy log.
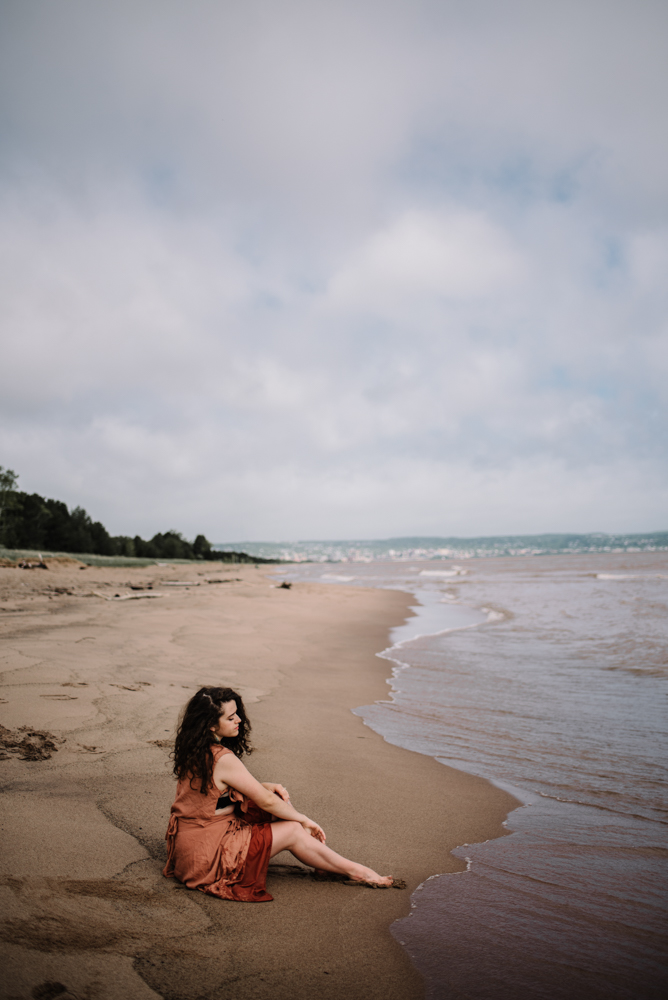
(277, 790)
(229, 770)
(313, 828)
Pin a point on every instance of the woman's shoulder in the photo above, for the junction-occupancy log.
(218, 751)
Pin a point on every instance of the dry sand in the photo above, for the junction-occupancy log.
(91, 687)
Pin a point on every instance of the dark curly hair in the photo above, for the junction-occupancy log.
(193, 757)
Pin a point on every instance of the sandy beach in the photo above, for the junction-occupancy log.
(94, 674)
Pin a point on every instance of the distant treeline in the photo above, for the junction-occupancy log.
(29, 521)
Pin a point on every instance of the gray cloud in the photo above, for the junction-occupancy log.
(289, 270)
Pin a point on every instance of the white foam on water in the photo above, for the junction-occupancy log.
(616, 576)
(436, 573)
(495, 616)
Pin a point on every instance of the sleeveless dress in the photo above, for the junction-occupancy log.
(225, 856)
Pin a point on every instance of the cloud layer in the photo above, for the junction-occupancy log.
(315, 270)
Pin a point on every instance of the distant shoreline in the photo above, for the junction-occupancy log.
(367, 550)
(449, 547)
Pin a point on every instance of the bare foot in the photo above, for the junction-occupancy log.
(368, 876)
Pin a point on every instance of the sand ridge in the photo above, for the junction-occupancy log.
(102, 678)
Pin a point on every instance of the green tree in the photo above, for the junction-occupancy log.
(171, 545)
(8, 481)
(29, 522)
(123, 546)
(202, 547)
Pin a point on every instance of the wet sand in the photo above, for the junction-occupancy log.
(90, 689)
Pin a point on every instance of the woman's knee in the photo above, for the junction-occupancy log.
(286, 833)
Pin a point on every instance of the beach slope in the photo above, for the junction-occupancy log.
(96, 664)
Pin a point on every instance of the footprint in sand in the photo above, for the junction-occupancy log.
(29, 744)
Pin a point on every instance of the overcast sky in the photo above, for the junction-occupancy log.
(341, 268)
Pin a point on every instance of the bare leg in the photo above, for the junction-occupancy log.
(290, 836)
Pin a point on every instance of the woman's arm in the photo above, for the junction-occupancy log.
(228, 770)
(278, 789)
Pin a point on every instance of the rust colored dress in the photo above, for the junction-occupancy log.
(225, 856)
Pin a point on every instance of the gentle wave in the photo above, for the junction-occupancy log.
(456, 571)
(631, 576)
(535, 674)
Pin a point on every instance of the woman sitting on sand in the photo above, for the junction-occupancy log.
(225, 825)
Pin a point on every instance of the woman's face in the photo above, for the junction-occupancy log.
(228, 721)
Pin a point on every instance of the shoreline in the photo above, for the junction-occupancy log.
(87, 902)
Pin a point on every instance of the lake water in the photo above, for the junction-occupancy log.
(549, 676)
